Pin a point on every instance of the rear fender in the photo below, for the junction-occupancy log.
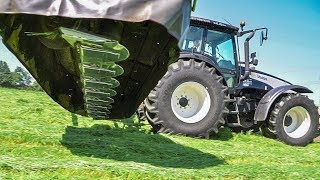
(208, 61)
(268, 99)
(199, 57)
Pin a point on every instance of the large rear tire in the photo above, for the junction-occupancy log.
(141, 112)
(188, 100)
(294, 120)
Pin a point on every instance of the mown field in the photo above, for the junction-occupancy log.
(41, 140)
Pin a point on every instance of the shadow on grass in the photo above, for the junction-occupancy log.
(224, 134)
(130, 143)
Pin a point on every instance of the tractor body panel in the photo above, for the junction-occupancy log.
(260, 81)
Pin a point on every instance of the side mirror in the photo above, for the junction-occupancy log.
(254, 61)
(263, 37)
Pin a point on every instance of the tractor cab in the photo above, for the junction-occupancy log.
(212, 39)
(214, 42)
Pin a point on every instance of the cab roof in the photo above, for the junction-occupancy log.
(211, 24)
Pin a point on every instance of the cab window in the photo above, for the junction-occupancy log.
(192, 40)
(219, 46)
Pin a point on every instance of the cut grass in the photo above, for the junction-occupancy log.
(41, 140)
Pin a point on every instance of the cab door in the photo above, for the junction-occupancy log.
(220, 46)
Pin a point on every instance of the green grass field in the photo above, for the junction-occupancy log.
(41, 140)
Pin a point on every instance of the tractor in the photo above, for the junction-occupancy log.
(209, 87)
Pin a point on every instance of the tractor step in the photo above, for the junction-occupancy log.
(235, 111)
(233, 125)
(230, 100)
(230, 112)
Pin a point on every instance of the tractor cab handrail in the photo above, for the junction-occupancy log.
(240, 34)
(246, 50)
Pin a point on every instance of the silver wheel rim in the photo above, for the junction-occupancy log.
(297, 122)
(190, 102)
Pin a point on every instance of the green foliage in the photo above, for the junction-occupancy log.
(10, 80)
(4, 68)
(35, 86)
(41, 140)
(24, 78)
(19, 78)
(7, 79)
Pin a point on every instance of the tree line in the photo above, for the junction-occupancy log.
(19, 78)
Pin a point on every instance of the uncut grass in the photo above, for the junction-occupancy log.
(39, 139)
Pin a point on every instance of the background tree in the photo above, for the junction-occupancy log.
(25, 78)
(35, 86)
(19, 78)
(4, 68)
(7, 79)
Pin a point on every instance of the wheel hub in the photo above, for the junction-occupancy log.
(288, 121)
(190, 102)
(297, 122)
(183, 102)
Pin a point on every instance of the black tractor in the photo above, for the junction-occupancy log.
(208, 87)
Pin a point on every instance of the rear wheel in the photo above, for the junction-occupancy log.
(189, 100)
(141, 112)
(294, 120)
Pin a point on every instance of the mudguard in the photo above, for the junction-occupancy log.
(269, 98)
(200, 57)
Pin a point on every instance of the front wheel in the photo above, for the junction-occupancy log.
(294, 120)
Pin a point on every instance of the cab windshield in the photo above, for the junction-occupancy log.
(193, 39)
(217, 45)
